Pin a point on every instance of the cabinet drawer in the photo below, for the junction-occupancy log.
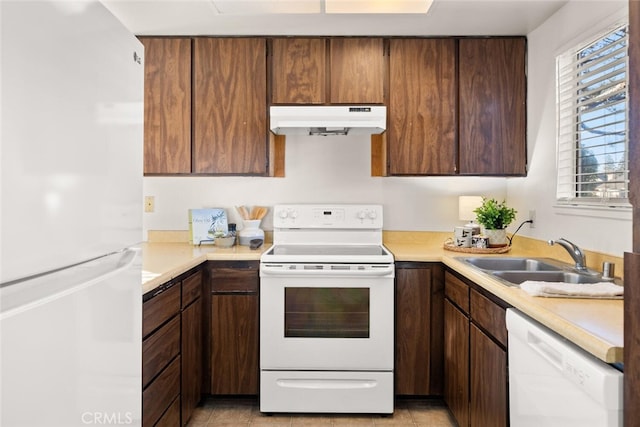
(457, 291)
(191, 288)
(159, 349)
(171, 418)
(489, 316)
(160, 308)
(235, 280)
(159, 395)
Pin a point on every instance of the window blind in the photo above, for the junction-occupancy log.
(592, 122)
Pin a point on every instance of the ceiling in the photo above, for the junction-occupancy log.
(255, 17)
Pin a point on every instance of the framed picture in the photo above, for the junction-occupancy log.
(204, 223)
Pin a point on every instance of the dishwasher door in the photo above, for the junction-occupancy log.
(553, 383)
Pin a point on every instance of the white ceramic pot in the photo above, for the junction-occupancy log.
(250, 231)
(496, 237)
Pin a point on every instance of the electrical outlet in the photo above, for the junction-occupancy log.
(149, 204)
(532, 217)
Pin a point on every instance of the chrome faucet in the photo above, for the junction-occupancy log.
(575, 252)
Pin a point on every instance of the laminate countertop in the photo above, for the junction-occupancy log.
(594, 325)
(164, 261)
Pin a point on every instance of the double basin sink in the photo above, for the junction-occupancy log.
(513, 271)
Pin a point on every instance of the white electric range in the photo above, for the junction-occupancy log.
(327, 312)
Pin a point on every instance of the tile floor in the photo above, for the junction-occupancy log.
(245, 412)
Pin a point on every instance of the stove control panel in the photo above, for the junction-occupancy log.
(328, 216)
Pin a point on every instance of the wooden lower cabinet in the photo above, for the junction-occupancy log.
(456, 362)
(159, 349)
(171, 417)
(234, 326)
(419, 329)
(489, 393)
(191, 351)
(157, 397)
(235, 349)
(475, 351)
(172, 351)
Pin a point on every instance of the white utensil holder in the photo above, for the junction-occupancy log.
(250, 230)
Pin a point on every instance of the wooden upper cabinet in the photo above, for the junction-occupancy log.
(492, 138)
(167, 105)
(422, 107)
(298, 71)
(230, 132)
(327, 71)
(357, 70)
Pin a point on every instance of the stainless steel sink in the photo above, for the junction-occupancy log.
(514, 264)
(517, 277)
(512, 271)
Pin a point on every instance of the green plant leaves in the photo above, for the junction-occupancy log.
(493, 215)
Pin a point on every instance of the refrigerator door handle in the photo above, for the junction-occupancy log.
(111, 267)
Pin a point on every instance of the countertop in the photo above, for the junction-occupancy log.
(594, 325)
(164, 261)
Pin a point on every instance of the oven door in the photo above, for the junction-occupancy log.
(324, 318)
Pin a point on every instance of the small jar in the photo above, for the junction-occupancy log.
(232, 232)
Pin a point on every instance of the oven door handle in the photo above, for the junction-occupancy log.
(282, 270)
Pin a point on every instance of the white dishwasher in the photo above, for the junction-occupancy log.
(553, 383)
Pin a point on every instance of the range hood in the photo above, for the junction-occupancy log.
(328, 120)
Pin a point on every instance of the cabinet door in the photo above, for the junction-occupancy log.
(422, 107)
(456, 363)
(230, 106)
(298, 71)
(419, 330)
(357, 70)
(489, 392)
(167, 105)
(234, 336)
(191, 358)
(492, 106)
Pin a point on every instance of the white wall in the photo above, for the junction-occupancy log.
(598, 230)
(321, 170)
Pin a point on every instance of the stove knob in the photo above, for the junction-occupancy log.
(283, 214)
(362, 215)
(293, 214)
(373, 215)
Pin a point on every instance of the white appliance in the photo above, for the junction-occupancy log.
(327, 312)
(70, 216)
(553, 383)
(328, 119)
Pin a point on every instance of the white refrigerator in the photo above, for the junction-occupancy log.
(71, 124)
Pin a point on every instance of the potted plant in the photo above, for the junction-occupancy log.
(495, 217)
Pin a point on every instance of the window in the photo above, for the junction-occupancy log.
(592, 105)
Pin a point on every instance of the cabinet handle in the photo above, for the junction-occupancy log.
(161, 289)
